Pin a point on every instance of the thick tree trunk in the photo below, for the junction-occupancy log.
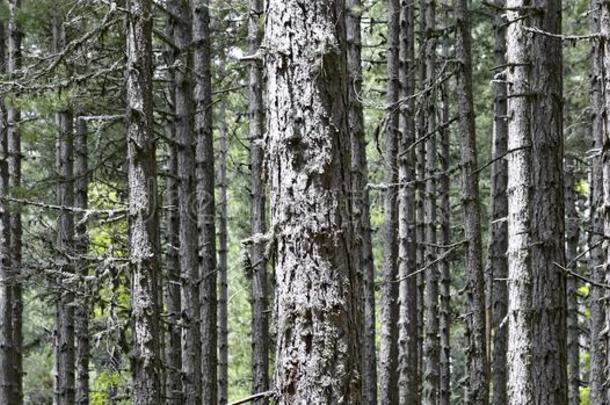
(408, 335)
(14, 169)
(431, 387)
(258, 210)
(477, 388)
(173, 346)
(223, 250)
(597, 271)
(572, 241)
(547, 226)
(64, 348)
(83, 308)
(363, 260)
(520, 338)
(497, 266)
(8, 378)
(388, 355)
(318, 349)
(206, 211)
(143, 211)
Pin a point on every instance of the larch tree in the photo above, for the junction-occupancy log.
(258, 208)
(408, 332)
(388, 354)
(318, 349)
(143, 210)
(477, 388)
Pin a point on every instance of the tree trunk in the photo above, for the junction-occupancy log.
(143, 211)
(206, 211)
(363, 260)
(223, 332)
(572, 241)
(173, 348)
(318, 349)
(497, 266)
(547, 226)
(520, 339)
(431, 370)
(408, 383)
(14, 170)
(8, 378)
(64, 348)
(83, 308)
(258, 210)
(477, 389)
(388, 355)
(597, 270)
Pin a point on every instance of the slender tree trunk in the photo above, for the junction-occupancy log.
(173, 347)
(520, 338)
(64, 348)
(223, 332)
(597, 271)
(477, 390)
(318, 349)
(258, 261)
(497, 266)
(206, 211)
(572, 241)
(83, 309)
(8, 378)
(14, 170)
(388, 355)
(547, 226)
(431, 369)
(143, 210)
(363, 260)
(408, 383)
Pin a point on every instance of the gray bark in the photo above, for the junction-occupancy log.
(143, 211)
(206, 211)
(497, 266)
(388, 354)
(318, 349)
(83, 309)
(363, 260)
(258, 210)
(477, 388)
(547, 226)
(408, 336)
(597, 271)
(173, 345)
(572, 242)
(520, 390)
(14, 169)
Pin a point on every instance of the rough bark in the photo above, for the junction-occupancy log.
(143, 211)
(318, 349)
(83, 308)
(408, 336)
(572, 241)
(547, 226)
(520, 388)
(64, 349)
(431, 371)
(477, 388)
(388, 354)
(14, 169)
(258, 210)
(597, 272)
(206, 211)
(173, 345)
(497, 266)
(8, 378)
